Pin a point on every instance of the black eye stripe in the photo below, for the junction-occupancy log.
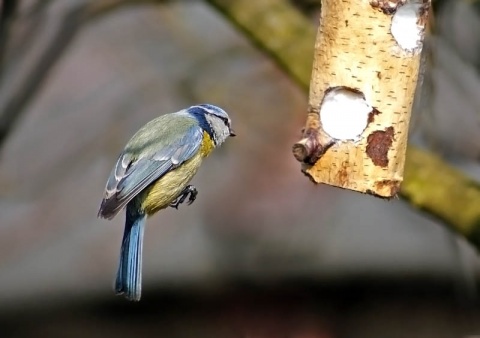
(223, 118)
(202, 111)
(211, 110)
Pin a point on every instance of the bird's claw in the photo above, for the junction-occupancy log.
(190, 191)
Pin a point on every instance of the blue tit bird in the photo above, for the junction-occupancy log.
(153, 172)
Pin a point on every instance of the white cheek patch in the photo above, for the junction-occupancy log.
(220, 130)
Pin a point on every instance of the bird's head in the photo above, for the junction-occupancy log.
(217, 121)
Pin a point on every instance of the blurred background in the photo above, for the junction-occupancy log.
(262, 253)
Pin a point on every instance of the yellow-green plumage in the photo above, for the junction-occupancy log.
(207, 145)
(164, 191)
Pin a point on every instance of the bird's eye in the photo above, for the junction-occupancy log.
(225, 120)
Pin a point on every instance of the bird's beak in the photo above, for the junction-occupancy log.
(232, 133)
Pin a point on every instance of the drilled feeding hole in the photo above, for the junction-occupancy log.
(344, 113)
(406, 28)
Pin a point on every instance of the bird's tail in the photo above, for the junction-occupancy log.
(129, 274)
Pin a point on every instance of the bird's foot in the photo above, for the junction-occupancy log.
(190, 191)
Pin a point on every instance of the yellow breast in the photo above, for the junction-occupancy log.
(207, 145)
(164, 191)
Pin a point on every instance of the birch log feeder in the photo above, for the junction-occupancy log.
(365, 71)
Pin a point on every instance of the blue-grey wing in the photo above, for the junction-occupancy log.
(130, 175)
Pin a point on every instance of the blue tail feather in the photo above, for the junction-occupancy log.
(129, 274)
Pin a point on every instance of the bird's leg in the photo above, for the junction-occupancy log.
(190, 191)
